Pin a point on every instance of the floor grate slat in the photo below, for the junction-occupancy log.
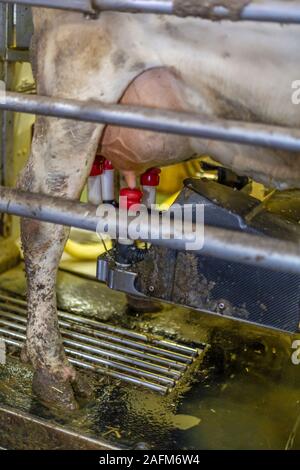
(148, 361)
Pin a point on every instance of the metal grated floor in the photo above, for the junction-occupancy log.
(148, 361)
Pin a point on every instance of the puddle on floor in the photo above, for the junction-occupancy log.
(245, 396)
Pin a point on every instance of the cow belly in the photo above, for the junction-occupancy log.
(137, 150)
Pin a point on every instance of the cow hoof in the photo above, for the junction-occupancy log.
(52, 391)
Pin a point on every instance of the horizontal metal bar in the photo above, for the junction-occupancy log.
(273, 12)
(220, 243)
(118, 375)
(165, 368)
(165, 7)
(256, 10)
(157, 364)
(17, 55)
(13, 343)
(109, 341)
(84, 6)
(103, 361)
(98, 338)
(99, 326)
(173, 122)
(97, 356)
(25, 431)
(13, 320)
(102, 370)
(157, 356)
(262, 10)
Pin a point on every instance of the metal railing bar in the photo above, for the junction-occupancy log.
(270, 253)
(165, 121)
(254, 10)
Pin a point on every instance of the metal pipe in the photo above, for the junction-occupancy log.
(71, 332)
(172, 122)
(162, 7)
(103, 361)
(123, 368)
(133, 356)
(128, 367)
(103, 370)
(84, 6)
(154, 363)
(109, 339)
(220, 243)
(262, 10)
(97, 326)
(102, 357)
(118, 375)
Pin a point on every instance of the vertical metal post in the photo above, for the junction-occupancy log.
(7, 124)
(15, 35)
(3, 9)
(24, 27)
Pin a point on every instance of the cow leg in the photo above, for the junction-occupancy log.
(61, 158)
(75, 60)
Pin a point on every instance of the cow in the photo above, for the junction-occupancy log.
(232, 70)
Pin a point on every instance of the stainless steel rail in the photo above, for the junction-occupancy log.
(157, 365)
(83, 322)
(262, 10)
(84, 6)
(220, 243)
(179, 123)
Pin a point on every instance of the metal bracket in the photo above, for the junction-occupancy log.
(117, 277)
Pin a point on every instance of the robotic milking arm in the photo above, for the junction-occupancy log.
(190, 279)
